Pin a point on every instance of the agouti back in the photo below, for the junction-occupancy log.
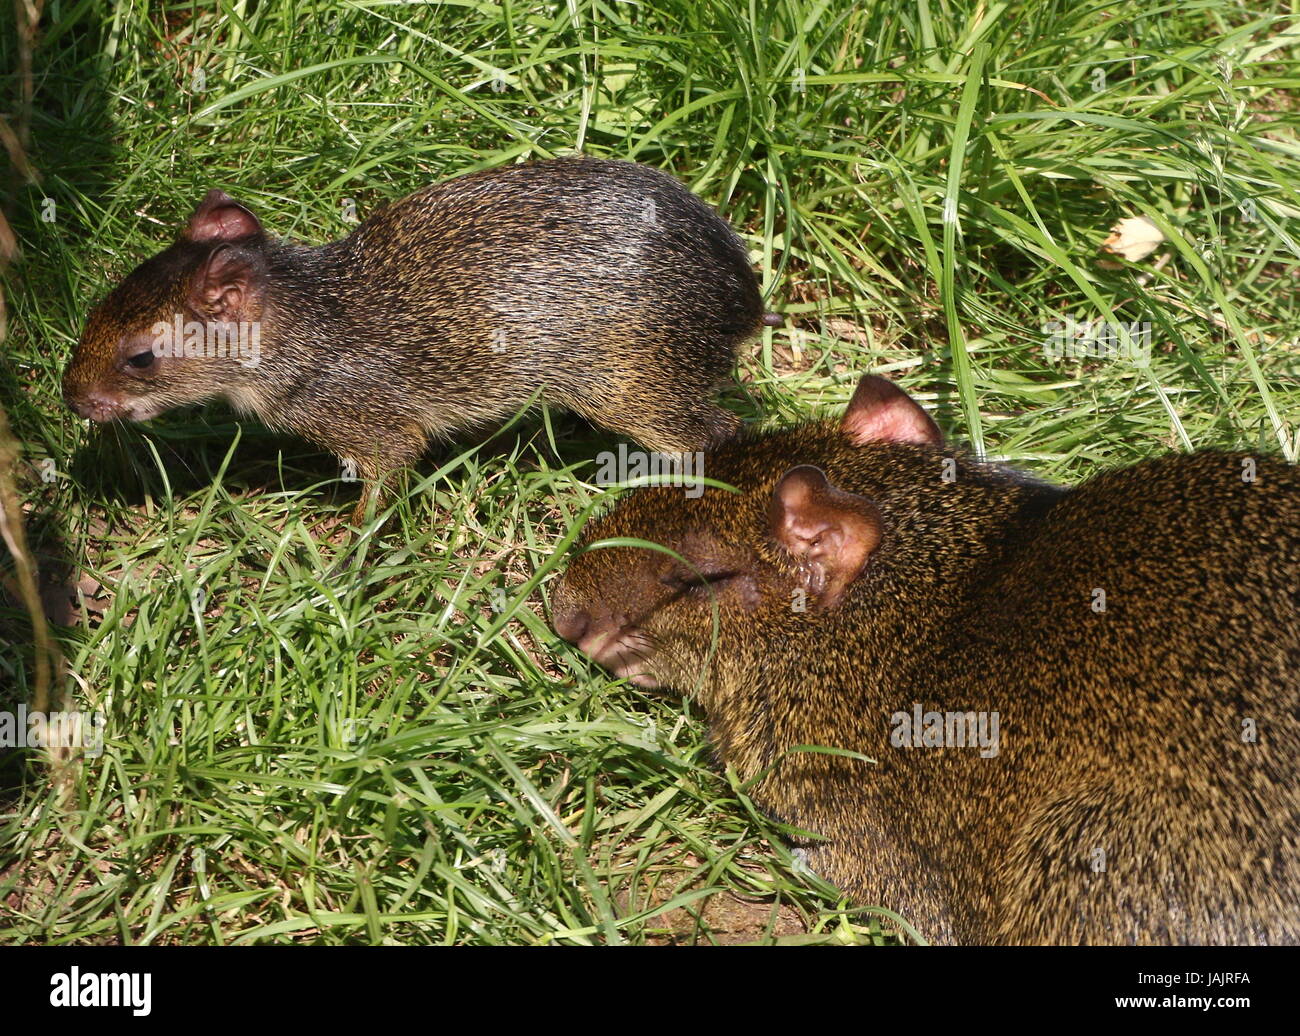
(605, 284)
(1082, 706)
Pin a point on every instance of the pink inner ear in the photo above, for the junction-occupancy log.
(882, 412)
(220, 218)
(225, 267)
(223, 283)
(796, 521)
(830, 533)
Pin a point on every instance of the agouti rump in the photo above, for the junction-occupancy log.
(1080, 707)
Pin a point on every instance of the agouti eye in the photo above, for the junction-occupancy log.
(142, 361)
(687, 580)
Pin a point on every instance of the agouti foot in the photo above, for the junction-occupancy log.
(363, 516)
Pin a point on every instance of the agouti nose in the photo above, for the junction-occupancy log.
(570, 622)
(93, 405)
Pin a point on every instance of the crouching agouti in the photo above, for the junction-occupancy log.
(1080, 707)
(606, 285)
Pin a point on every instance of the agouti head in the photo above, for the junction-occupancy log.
(182, 328)
(788, 549)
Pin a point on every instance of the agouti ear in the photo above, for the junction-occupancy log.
(220, 218)
(225, 285)
(829, 533)
(880, 411)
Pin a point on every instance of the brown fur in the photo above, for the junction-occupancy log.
(606, 285)
(1121, 730)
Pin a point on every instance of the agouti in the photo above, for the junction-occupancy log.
(1081, 706)
(606, 285)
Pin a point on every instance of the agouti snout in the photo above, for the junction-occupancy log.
(606, 285)
(1081, 707)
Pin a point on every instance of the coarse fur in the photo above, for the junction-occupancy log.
(1145, 786)
(606, 285)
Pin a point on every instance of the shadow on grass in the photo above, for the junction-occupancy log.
(64, 123)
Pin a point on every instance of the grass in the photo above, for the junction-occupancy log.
(316, 739)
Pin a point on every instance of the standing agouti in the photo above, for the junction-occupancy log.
(1121, 662)
(606, 285)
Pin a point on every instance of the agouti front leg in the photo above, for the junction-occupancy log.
(375, 461)
(372, 496)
